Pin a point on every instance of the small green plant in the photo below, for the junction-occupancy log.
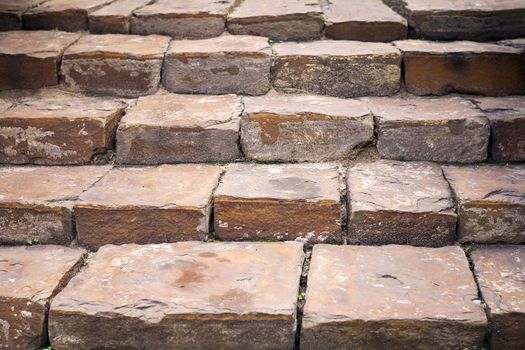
(47, 348)
(33, 241)
(301, 296)
(468, 249)
(85, 260)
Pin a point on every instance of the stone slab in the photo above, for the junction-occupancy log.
(491, 201)
(11, 12)
(182, 296)
(363, 297)
(169, 128)
(304, 128)
(147, 205)
(278, 202)
(115, 17)
(517, 43)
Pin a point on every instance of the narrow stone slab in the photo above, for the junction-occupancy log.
(296, 20)
(433, 68)
(182, 296)
(58, 130)
(336, 68)
(491, 203)
(11, 12)
(304, 128)
(68, 15)
(189, 19)
(363, 297)
(29, 278)
(169, 128)
(517, 43)
(29, 60)
(147, 205)
(440, 130)
(278, 202)
(36, 203)
(223, 65)
(116, 17)
(362, 20)
(400, 203)
(507, 124)
(115, 64)
(500, 270)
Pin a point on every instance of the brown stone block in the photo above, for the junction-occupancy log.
(11, 12)
(115, 17)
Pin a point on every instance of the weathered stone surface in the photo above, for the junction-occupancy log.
(500, 273)
(116, 17)
(188, 295)
(517, 43)
(5, 104)
(223, 65)
(169, 128)
(478, 20)
(59, 130)
(336, 68)
(189, 19)
(506, 116)
(36, 203)
(437, 68)
(296, 20)
(396, 297)
(68, 15)
(304, 128)
(400, 203)
(491, 202)
(299, 202)
(362, 20)
(29, 278)
(147, 205)
(440, 130)
(29, 60)
(11, 12)
(115, 64)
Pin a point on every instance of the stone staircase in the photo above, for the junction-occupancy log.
(279, 174)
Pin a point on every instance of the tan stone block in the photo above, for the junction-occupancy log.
(115, 17)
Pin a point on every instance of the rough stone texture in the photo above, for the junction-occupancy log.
(336, 68)
(299, 202)
(68, 15)
(147, 205)
(478, 20)
(11, 12)
(59, 130)
(5, 105)
(115, 64)
(393, 202)
(169, 128)
(296, 20)
(29, 278)
(186, 295)
(223, 65)
(394, 297)
(433, 68)
(189, 19)
(362, 20)
(517, 43)
(116, 17)
(29, 60)
(304, 128)
(491, 202)
(36, 203)
(440, 130)
(500, 271)
(506, 116)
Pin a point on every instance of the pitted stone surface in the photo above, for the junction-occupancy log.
(336, 68)
(304, 128)
(430, 129)
(437, 68)
(169, 128)
(11, 12)
(28, 60)
(182, 296)
(147, 205)
(36, 203)
(29, 278)
(500, 271)
(283, 202)
(115, 64)
(517, 43)
(363, 297)
(491, 202)
(362, 20)
(400, 203)
(116, 17)
(296, 20)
